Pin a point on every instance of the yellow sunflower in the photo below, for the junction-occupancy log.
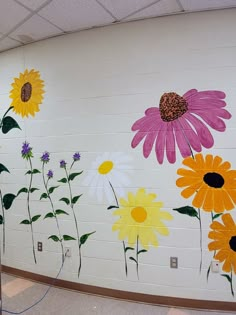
(27, 93)
(140, 219)
(211, 180)
(224, 236)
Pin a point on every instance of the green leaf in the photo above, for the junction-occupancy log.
(112, 207)
(188, 211)
(22, 190)
(128, 248)
(132, 258)
(84, 237)
(36, 217)
(3, 168)
(9, 123)
(35, 171)
(76, 198)
(216, 216)
(28, 172)
(25, 222)
(33, 189)
(8, 200)
(62, 180)
(49, 215)
(66, 200)
(51, 189)
(59, 211)
(73, 175)
(68, 238)
(1, 219)
(227, 277)
(142, 251)
(54, 238)
(43, 196)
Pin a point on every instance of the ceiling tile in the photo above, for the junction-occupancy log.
(8, 43)
(34, 29)
(193, 5)
(11, 13)
(33, 4)
(163, 7)
(122, 8)
(73, 15)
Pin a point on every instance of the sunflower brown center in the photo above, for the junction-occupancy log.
(139, 214)
(214, 180)
(172, 106)
(232, 243)
(26, 92)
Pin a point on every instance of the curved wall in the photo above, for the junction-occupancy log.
(98, 83)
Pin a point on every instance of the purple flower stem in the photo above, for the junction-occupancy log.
(124, 247)
(3, 216)
(75, 219)
(53, 211)
(28, 207)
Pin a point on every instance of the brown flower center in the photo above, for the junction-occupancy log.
(172, 106)
(232, 243)
(26, 92)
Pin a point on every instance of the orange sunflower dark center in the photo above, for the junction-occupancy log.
(26, 92)
(232, 243)
(214, 180)
(172, 106)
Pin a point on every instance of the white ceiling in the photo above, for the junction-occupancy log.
(25, 21)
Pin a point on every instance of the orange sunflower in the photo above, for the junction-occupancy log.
(211, 180)
(224, 242)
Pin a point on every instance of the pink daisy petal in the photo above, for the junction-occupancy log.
(138, 138)
(214, 122)
(143, 122)
(149, 141)
(223, 113)
(181, 140)
(190, 94)
(202, 131)
(152, 111)
(190, 134)
(160, 143)
(170, 144)
(209, 94)
(206, 103)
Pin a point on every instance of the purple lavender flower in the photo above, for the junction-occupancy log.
(76, 156)
(26, 150)
(50, 174)
(62, 163)
(45, 157)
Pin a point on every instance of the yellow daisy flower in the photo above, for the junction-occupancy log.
(141, 218)
(211, 180)
(27, 93)
(224, 242)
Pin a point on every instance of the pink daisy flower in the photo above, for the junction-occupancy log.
(181, 120)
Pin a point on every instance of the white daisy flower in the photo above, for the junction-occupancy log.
(107, 176)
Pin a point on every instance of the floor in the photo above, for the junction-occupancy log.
(19, 294)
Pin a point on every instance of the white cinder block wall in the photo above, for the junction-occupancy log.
(98, 83)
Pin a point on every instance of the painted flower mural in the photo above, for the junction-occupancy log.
(181, 120)
(224, 245)
(107, 172)
(27, 93)
(141, 218)
(211, 180)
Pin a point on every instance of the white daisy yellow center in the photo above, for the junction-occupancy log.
(105, 167)
(139, 214)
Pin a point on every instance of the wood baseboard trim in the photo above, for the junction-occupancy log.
(123, 295)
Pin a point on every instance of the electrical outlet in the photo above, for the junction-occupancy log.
(40, 246)
(68, 251)
(215, 266)
(174, 262)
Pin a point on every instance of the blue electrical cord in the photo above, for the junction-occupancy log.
(48, 289)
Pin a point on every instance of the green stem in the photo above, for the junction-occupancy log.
(231, 283)
(137, 258)
(124, 247)
(200, 224)
(28, 208)
(3, 216)
(75, 220)
(53, 210)
(209, 268)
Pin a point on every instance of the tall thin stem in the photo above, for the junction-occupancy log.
(231, 283)
(28, 208)
(137, 258)
(200, 224)
(3, 223)
(124, 247)
(53, 211)
(75, 219)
